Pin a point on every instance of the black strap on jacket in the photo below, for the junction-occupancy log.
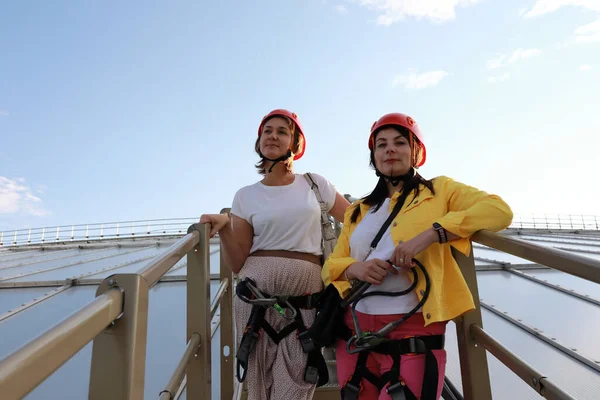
(397, 388)
(316, 367)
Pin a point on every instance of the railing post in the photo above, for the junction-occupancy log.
(473, 361)
(198, 315)
(119, 353)
(227, 330)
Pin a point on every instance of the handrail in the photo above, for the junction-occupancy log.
(21, 371)
(163, 262)
(177, 377)
(583, 267)
(526, 372)
(218, 296)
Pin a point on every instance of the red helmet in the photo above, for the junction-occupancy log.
(406, 122)
(291, 116)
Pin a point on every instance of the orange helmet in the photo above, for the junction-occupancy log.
(403, 120)
(293, 117)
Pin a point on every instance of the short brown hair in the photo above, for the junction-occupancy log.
(297, 143)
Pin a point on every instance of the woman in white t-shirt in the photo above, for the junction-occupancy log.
(273, 237)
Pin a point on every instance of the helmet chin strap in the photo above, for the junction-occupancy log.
(276, 160)
(396, 179)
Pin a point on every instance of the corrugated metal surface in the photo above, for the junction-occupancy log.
(166, 339)
(572, 321)
(11, 298)
(568, 281)
(575, 239)
(10, 258)
(76, 260)
(491, 254)
(25, 326)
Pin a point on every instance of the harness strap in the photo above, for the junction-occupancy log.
(249, 340)
(308, 301)
(315, 372)
(397, 389)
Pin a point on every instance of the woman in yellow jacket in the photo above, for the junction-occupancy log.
(435, 215)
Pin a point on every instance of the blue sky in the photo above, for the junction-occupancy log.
(149, 109)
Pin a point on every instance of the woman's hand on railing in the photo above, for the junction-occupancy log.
(372, 271)
(216, 221)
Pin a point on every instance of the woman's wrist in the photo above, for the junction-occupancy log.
(348, 276)
(227, 219)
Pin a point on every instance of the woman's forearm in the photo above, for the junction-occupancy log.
(232, 251)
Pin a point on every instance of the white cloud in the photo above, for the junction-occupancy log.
(16, 196)
(585, 67)
(589, 33)
(340, 8)
(4, 113)
(41, 189)
(424, 80)
(499, 78)
(542, 7)
(391, 11)
(505, 59)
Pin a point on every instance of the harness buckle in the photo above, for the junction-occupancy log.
(306, 342)
(412, 346)
(311, 375)
(396, 391)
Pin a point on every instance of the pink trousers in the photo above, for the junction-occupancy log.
(411, 366)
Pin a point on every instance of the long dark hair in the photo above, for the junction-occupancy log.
(376, 198)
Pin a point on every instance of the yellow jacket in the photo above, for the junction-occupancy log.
(460, 209)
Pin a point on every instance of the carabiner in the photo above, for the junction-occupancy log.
(284, 312)
(366, 342)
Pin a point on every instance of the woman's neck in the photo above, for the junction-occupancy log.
(279, 176)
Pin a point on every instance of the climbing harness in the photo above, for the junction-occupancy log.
(289, 308)
(365, 342)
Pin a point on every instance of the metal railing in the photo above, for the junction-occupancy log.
(116, 321)
(178, 226)
(96, 231)
(473, 341)
(556, 222)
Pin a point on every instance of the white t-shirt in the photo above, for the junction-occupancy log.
(360, 245)
(285, 217)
